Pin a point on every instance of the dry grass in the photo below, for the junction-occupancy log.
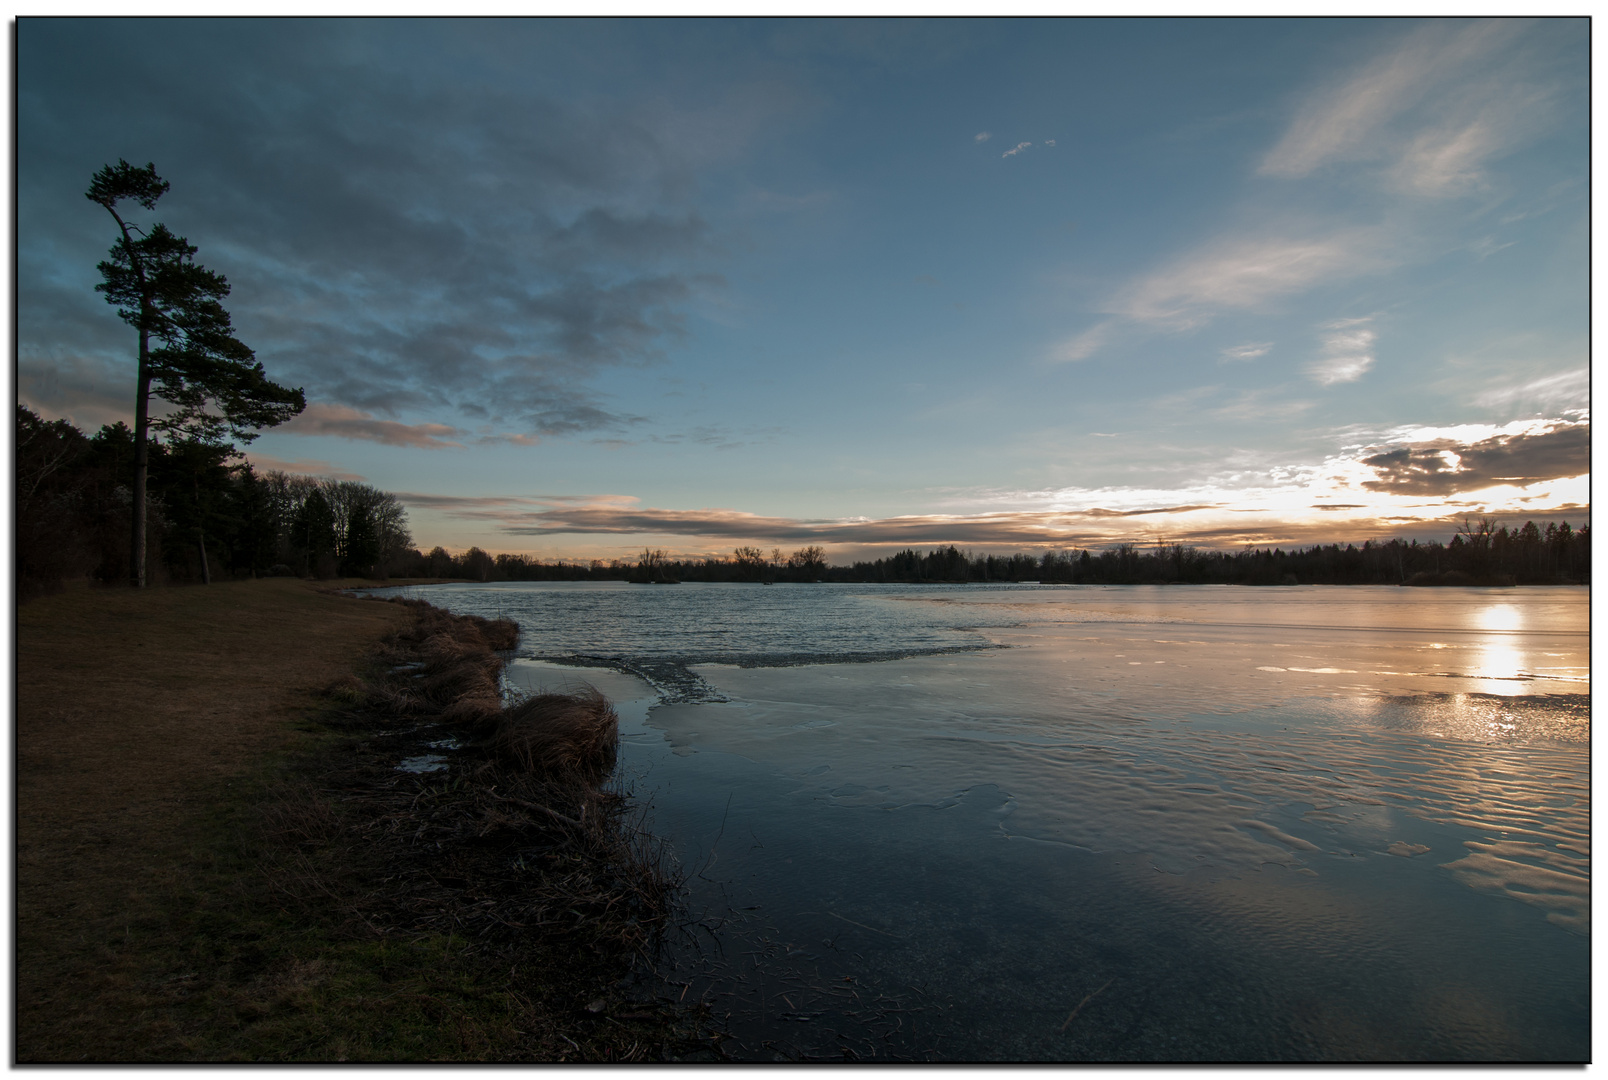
(180, 896)
(555, 735)
(137, 712)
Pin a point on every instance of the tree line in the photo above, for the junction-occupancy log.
(209, 513)
(1483, 552)
(653, 566)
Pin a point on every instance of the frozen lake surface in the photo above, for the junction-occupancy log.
(1106, 823)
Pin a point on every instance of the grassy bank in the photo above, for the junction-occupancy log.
(214, 863)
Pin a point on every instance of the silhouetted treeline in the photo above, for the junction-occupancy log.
(652, 566)
(1480, 554)
(1483, 553)
(211, 516)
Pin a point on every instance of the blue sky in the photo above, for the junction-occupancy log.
(579, 287)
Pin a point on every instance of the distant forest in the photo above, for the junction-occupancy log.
(1482, 553)
(215, 517)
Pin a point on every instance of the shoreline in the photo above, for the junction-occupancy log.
(189, 761)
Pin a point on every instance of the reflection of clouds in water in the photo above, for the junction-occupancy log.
(1190, 799)
(1558, 883)
(1295, 786)
(1354, 837)
(1191, 751)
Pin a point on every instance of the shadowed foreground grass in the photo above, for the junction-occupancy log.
(157, 733)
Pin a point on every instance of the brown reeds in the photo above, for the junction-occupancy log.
(519, 847)
(557, 735)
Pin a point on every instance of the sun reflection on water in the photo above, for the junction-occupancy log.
(1500, 658)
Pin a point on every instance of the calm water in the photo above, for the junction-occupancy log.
(1089, 823)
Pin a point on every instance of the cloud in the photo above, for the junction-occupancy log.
(427, 243)
(85, 389)
(1347, 120)
(1049, 142)
(1426, 117)
(1246, 273)
(1084, 345)
(982, 136)
(1564, 390)
(735, 525)
(1257, 406)
(1445, 466)
(1486, 246)
(1249, 351)
(1405, 482)
(1210, 525)
(347, 423)
(1347, 353)
(1017, 149)
(509, 439)
(720, 437)
(1442, 162)
(1430, 112)
(301, 467)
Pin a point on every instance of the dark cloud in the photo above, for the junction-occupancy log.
(410, 227)
(1443, 467)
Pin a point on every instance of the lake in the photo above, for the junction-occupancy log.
(1181, 823)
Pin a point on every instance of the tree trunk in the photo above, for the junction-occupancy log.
(142, 462)
(206, 574)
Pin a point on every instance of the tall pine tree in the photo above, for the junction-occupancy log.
(188, 354)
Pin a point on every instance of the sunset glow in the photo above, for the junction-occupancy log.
(1013, 285)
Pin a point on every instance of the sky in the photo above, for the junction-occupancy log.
(574, 288)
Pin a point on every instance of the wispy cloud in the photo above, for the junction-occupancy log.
(1347, 352)
(1017, 149)
(348, 423)
(1565, 390)
(510, 439)
(1256, 406)
(982, 136)
(1430, 113)
(1445, 162)
(1249, 351)
(1242, 273)
(495, 506)
(74, 386)
(300, 467)
(1486, 246)
(1086, 344)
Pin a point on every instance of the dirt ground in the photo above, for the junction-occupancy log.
(137, 713)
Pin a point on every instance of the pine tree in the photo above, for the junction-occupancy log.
(188, 354)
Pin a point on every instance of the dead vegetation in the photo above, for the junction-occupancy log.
(219, 860)
(509, 836)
